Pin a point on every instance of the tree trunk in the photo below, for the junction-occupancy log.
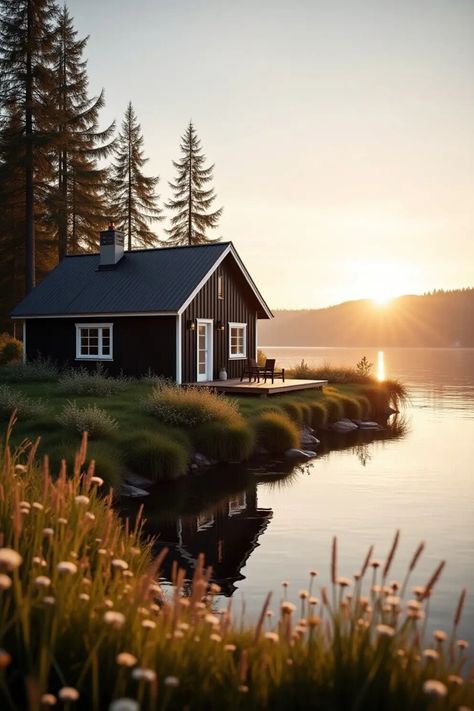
(190, 187)
(29, 188)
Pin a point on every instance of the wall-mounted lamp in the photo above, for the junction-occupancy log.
(220, 326)
(191, 324)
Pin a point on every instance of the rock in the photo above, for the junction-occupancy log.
(137, 480)
(132, 492)
(308, 439)
(311, 454)
(367, 425)
(343, 426)
(201, 460)
(299, 454)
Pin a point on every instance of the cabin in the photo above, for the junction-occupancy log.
(184, 313)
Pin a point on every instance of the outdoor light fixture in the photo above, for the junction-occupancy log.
(191, 324)
(219, 326)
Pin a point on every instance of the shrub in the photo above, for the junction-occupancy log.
(225, 441)
(11, 400)
(107, 458)
(352, 408)
(11, 350)
(319, 414)
(84, 382)
(159, 381)
(91, 419)
(294, 411)
(334, 408)
(157, 456)
(339, 375)
(190, 407)
(364, 367)
(276, 432)
(34, 370)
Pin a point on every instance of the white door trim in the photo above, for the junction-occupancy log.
(209, 323)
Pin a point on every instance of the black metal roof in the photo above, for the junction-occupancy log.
(149, 280)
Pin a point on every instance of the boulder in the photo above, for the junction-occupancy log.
(302, 454)
(343, 426)
(201, 460)
(367, 425)
(308, 439)
(137, 480)
(132, 492)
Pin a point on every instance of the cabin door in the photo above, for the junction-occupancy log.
(205, 366)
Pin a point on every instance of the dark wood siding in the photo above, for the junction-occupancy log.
(139, 343)
(238, 305)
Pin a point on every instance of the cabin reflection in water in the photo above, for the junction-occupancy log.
(226, 534)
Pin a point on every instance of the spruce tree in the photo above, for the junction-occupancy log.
(26, 28)
(192, 198)
(78, 199)
(134, 203)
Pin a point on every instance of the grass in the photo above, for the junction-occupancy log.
(82, 615)
(157, 456)
(275, 432)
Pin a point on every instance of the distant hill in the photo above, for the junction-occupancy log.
(438, 319)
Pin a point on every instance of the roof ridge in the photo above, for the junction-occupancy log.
(154, 249)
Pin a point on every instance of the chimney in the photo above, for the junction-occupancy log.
(111, 247)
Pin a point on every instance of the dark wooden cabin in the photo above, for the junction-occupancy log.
(183, 312)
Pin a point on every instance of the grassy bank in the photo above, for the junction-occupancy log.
(82, 620)
(153, 427)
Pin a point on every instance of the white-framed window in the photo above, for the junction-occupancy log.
(237, 503)
(237, 340)
(94, 341)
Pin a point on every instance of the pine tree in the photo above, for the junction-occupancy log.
(78, 200)
(26, 28)
(134, 203)
(192, 198)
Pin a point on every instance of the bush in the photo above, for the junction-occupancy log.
(108, 461)
(91, 419)
(352, 408)
(225, 441)
(319, 414)
(32, 371)
(84, 382)
(11, 400)
(11, 349)
(339, 375)
(294, 411)
(334, 408)
(157, 456)
(190, 407)
(276, 432)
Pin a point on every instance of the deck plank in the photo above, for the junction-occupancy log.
(263, 389)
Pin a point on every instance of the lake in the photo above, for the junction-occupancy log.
(418, 476)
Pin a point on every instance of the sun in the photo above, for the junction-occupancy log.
(382, 299)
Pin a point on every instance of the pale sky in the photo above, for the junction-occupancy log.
(342, 131)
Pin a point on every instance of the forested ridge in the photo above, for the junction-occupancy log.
(437, 319)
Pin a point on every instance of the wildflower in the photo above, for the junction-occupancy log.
(43, 581)
(48, 532)
(344, 582)
(108, 603)
(395, 585)
(48, 700)
(272, 637)
(114, 619)
(413, 605)
(119, 564)
(5, 582)
(430, 654)
(68, 693)
(97, 480)
(171, 681)
(313, 573)
(285, 583)
(212, 619)
(84, 597)
(375, 563)
(303, 594)
(63, 521)
(24, 511)
(86, 581)
(455, 679)
(25, 504)
(124, 704)
(214, 588)
(82, 500)
(65, 566)
(5, 659)
(156, 589)
(89, 516)
(20, 468)
(127, 574)
(393, 600)
(178, 634)
(125, 659)
(38, 506)
(215, 637)
(243, 689)
(229, 647)
(440, 635)
(313, 601)
(269, 613)
(144, 674)
(314, 620)
(135, 551)
(10, 559)
(148, 624)
(183, 626)
(287, 608)
(385, 630)
(419, 591)
(433, 687)
(49, 600)
(462, 644)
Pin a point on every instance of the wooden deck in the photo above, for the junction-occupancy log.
(262, 389)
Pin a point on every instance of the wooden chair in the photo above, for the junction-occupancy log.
(268, 371)
(251, 370)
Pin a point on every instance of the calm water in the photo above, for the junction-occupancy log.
(258, 529)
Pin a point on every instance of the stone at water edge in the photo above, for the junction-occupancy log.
(201, 460)
(132, 492)
(308, 439)
(137, 480)
(367, 425)
(303, 454)
(344, 425)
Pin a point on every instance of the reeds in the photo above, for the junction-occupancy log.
(83, 620)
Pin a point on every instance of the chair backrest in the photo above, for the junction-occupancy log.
(252, 363)
(270, 364)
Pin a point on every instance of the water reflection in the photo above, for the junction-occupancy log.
(217, 513)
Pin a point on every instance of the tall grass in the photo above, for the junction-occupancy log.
(37, 370)
(82, 617)
(190, 406)
(97, 382)
(13, 401)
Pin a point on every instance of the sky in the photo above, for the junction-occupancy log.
(341, 131)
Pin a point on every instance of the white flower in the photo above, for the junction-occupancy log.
(385, 630)
(125, 659)
(63, 520)
(82, 500)
(10, 559)
(66, 566)
(172, 681)
(97, 480)
(38, 506)
(229, 647)
(433, 687)
(49, 600)
(25, 505)
(114, 619)
(212, 619)
(124, 704)
(90, 516)
(148, 624)
(48, 532)
(68, 693)
(146, 674)
(430, 654)
(440, 635)
(287, 607)
(20, 468)
(84, 597)
(215, 637)
(272, 636)
(48, 700)
(119, 564)
(5, 582)
(43, 581)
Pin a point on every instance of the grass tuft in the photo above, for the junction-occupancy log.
(14, 401)
(81, 381)
(225, 441)
(190, 406)
(276, 432)
(91, 419)
(157, 456)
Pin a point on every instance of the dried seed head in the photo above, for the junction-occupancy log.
(433, 687)
(68, 693)
(65, 566)
(82, 500)
(48, 700)
(124, 704)
(171, 681)
(272, 637)
(385, 630)
(430, 654)
(5, 581)
(287, 607)
(125, 659)
(114, 619)
(43, 581)
(440, 635)
(10, 559)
